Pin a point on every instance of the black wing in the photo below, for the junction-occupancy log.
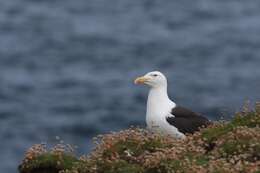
(186, 121)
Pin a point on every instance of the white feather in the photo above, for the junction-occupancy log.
(159, 107)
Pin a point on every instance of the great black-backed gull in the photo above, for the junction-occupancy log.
(162, 114)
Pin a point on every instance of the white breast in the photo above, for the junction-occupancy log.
(159, 107)
(156, 122)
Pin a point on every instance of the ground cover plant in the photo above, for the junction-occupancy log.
(223, 147)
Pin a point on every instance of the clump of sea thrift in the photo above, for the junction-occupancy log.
(224, 147)
(40, 159)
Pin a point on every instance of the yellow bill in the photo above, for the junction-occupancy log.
(141, 80)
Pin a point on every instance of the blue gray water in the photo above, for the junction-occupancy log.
(67, 67)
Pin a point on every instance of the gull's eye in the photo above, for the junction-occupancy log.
(154, 75)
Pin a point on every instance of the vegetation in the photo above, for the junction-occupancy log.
(222, 147)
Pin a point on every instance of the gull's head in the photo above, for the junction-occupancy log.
(153, 79)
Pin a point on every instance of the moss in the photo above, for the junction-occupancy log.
(49, 163)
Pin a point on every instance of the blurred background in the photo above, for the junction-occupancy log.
(67, 67)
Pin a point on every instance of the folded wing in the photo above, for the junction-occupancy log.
(185, 120)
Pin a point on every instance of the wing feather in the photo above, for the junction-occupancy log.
(185, 120)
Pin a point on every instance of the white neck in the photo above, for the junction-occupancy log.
(158, 100)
